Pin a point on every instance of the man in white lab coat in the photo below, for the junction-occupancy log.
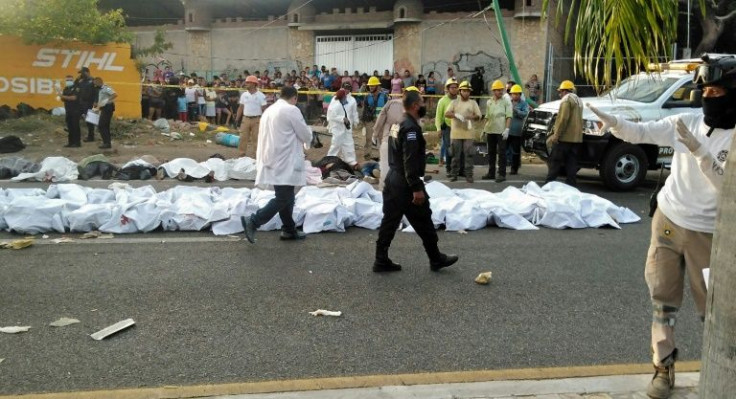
(342, 116)
(282, 133)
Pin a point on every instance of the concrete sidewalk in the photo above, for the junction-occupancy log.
(610, 387)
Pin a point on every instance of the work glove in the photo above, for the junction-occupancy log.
(505, 133)
(608, 120)
(460, 117)
(686, 137)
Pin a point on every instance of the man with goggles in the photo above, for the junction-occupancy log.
(683, 224)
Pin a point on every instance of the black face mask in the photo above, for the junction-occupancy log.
(422, 111)
(720, 112)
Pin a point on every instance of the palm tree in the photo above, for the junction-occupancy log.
(622, 36)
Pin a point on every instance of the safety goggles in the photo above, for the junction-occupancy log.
(707, 74)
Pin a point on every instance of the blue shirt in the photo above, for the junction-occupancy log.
(182, 104)
(327, 81)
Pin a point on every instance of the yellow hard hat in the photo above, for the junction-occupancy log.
(451, 81)
(497, 85)
(566, 85)
(465, 86)
(411, 88)
(373, 81)
(515, 89)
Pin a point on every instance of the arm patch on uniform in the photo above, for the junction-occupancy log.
(411, 136)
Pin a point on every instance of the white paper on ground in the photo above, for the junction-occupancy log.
(706, 276)
(63, 322)
(110, 330)
(322, 312)
(14, 329)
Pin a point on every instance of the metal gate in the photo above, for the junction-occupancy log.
(363, 53)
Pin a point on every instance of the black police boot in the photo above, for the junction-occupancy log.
(442, 261)
(383, 263)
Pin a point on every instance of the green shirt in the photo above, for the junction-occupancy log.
(497, 111)
(439, 118)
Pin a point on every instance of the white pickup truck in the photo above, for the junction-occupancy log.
(668, 90)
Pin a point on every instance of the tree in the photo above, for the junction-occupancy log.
(157, 48)
(617, 37)
(44, 21)
(714, 16)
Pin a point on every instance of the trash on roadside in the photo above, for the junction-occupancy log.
(1, 360)
(175, 136)
(97, 234)
(117, 327)
(63, 322)
(45, 237)
(162, 124)
(462, 232)
(208, 141)
(17, 244)
(14, 329)
(483, 278)
(62, 240)
(192, 134)
(322, 312)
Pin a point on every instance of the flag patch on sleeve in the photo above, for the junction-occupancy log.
(411, 136)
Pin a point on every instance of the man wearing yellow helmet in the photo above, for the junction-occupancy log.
(567, 136)
(513, 143)
(463, 112)
(443, 123)
(372, 104)
(496, 130)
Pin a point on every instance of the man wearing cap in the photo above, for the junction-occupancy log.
(498, 113)
(70, 97)
(685, 219)
(342, 115)
(567, 135)
(463, 113)
(442, 123)
(280, 164)
(252, 104)
(373, 102)
(105, 105)
(87, 97)
(404, 194)
(391, 115)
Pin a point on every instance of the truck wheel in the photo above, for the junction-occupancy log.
(624, 166)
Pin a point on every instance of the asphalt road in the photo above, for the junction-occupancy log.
(213, 310)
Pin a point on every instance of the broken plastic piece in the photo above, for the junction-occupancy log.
(63, 240)
(14, 329)
(462, 232)
(322, 312)
(17, 244)
(117, 327)
(64, 321)
(483, 278)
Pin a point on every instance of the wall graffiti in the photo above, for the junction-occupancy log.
(464, 65)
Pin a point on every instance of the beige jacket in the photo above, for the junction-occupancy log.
(391, 113)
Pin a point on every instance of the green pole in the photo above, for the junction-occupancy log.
(507, 47)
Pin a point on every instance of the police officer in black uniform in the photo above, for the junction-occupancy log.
(404, 192)
(87, 97)
(70, 97)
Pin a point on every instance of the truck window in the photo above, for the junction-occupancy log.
(681, 96)
(645, 89)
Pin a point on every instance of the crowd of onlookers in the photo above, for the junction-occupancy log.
(193, 98)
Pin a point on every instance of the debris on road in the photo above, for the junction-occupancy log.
(62, 240)
(63, 322)
(483, 278)
(45, 237)
(14, 329)
(322, 312)
(117, 327)
(97, 234)
(17, 244)
(1, 360)
(462, 232)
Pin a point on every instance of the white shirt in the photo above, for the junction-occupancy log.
(104, 97)
(690, 195)
(252, 103)
(191, 94)
(282, 133)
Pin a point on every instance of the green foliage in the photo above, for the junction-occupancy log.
(159, 46)
(44, 21)
(613, 37)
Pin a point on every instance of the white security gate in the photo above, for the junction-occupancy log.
(363, 53)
